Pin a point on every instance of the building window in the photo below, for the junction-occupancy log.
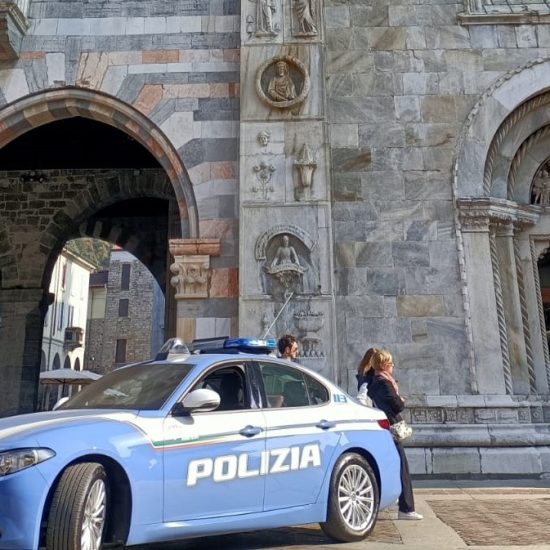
(125, 278)
(120, 351)
(71, 316)
(60, 318)
(63, 276)
(123, 307)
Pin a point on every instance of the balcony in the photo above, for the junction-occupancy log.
(13, 26)
(74, 337)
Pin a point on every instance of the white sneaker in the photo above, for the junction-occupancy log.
(409, 515)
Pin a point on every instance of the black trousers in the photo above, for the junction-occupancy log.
(406, 498)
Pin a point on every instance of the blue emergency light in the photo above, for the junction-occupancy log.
(251, 345)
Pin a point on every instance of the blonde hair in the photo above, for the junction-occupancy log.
(381, 358)
(366, 363)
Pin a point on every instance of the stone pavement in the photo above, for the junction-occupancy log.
(474, 515)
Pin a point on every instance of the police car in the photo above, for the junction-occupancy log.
(191, 445)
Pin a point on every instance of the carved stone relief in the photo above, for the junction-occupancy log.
(305, 18)
(309, 323)
(286, 265)
(540, 189)
(263, 24)
(191, 275)
(282, 82)
(305, 166)
(263, 171)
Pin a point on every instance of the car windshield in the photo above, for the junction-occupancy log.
(143, 387)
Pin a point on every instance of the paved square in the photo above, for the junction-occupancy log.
(496, 522)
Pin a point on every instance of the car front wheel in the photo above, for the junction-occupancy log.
(353, 500)
(77, 515)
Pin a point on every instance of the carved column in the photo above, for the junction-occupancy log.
(517, 351)
(191, 277)
(486, 336)
(21, 324)
(497, 293)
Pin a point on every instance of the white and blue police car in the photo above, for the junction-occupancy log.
(190, 445)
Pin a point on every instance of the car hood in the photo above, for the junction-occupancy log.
(35, 424)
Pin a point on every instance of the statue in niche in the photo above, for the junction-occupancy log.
(285, 254)
(305, 14)
(281, 87)
(541, 188)
(475, 6)
(264, 138)
(286, 268)
(264, 17)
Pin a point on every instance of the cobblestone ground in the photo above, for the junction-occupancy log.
(484, 519)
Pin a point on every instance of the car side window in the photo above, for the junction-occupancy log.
(230, 384)
(284, 386)
(318, 394)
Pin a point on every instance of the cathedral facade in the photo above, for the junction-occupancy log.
(355, 172)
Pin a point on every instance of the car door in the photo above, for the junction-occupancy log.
(212, 459)
(300, 438)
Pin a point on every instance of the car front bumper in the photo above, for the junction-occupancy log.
(22, 496)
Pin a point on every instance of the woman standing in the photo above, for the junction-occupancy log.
(384, 392)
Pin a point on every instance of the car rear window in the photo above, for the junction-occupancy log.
(143, 387)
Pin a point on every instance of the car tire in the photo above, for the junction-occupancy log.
(78, 511)
(353, 500)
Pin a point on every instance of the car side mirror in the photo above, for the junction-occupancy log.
(198, 400)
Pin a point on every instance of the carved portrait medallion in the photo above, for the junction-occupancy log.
(282, 82)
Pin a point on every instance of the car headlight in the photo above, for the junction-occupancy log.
(19, 459)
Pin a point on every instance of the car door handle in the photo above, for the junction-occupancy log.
(250, 431)
(326, 425)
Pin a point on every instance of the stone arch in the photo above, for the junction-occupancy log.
(504, 143)
(73, 220)
(512, 98)
(42, 107)
(56, 362)
(77, 364)
(67, 363)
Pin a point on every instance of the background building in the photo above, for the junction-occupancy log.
(64, 336)
(359, 173)
(125, 314)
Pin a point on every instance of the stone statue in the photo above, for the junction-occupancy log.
(281, 87)
(305, 13)
(264, 17)
(541, 188)
(285, 255)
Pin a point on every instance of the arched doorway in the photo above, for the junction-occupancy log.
(138, 199)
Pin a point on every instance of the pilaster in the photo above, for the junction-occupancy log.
(21, 320)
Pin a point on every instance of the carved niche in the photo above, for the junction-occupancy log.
(305, 165)
(282, 82)
(540, 189)
(263, 24)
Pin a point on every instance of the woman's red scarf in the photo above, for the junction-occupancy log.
(385, 374)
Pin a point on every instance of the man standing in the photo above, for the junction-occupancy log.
(288, 347)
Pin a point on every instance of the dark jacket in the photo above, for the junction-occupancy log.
(361, 379)
(386, 398)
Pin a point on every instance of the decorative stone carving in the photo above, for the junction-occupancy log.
(285, 266)
(191, 274)
(265, 26)
(264, 137)
(305, 165)
(540, 191)
(305, 15)
(477, 214)
(475, 6)
(309, 323)
(263, 172)
(282, 82)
